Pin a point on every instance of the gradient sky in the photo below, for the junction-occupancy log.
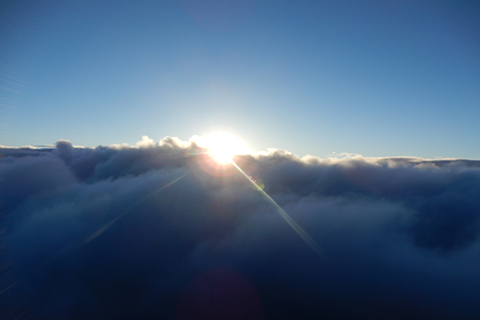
(377, 78)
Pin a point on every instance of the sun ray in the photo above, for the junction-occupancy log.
(106, 226)
(295, 226)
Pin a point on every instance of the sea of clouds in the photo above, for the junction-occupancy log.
(160, 231)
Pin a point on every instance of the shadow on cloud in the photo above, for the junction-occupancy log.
(153, 232)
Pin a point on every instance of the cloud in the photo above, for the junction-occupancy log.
(158, 230)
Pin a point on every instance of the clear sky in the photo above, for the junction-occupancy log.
(377, 78)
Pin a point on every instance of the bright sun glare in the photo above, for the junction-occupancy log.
(222, 147)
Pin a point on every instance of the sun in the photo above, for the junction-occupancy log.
(223, 147)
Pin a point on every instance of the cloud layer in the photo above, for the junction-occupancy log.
(160, 231)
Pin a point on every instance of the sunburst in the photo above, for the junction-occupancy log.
(223, 147)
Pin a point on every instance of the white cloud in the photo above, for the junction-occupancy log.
(404, 230)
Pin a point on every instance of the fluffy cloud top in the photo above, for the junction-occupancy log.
(159, 231)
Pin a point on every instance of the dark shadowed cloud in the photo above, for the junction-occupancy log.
(159, 231)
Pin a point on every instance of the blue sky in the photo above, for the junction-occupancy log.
(377, 78)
